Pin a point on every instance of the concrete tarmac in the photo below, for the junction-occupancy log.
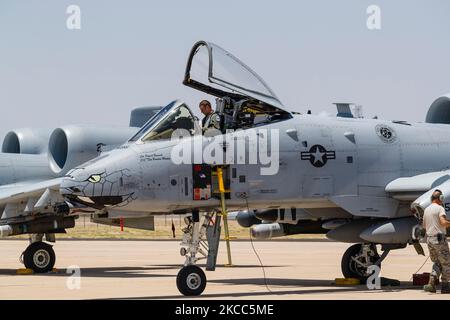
(147, 270)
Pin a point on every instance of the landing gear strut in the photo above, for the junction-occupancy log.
(39, 256)
(357, 259)
(191, 280)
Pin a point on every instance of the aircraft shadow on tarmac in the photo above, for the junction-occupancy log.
(120, 272)
(105, 272)
(277, 286)
(309, 286)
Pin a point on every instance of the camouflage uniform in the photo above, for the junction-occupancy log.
(440, 255)
(438, 247)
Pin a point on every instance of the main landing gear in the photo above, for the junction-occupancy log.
(358, 258)
(39, 256)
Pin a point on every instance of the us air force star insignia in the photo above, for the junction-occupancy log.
(386, 133)
(318, 155)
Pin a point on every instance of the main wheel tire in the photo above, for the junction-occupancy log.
(350, 269)
(191, 281)
(39, 257)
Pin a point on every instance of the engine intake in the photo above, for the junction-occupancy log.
(26, 141)
(71, 146)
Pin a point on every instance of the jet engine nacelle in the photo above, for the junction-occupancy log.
(26, 141)
(70, 146)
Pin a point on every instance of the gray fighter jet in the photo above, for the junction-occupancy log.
(361, 181)
(32, 163)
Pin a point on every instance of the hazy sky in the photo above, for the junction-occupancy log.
(133, 53)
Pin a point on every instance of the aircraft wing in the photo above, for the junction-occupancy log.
(409, 188)
(27, 197)
(415, 191)
(418, 189)
(22, 191)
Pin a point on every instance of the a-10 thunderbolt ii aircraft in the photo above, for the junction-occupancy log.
(361, 181)
(32, 163)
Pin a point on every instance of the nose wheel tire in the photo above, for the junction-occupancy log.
(191, 281)
(357, 259)
(40, 257)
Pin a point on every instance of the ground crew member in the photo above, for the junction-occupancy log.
(435, 224)
(211, 119)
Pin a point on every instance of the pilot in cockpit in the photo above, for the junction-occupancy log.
(211, 119)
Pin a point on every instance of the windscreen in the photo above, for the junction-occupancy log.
(177, 119)
(151, 122)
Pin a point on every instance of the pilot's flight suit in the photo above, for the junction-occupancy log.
(438, 247)
(210, 121)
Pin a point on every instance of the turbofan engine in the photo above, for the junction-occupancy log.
(70, 146)
(26, 141)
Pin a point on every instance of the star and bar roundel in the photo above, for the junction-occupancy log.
(318, 155)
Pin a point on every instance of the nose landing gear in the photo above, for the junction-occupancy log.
(191, 280)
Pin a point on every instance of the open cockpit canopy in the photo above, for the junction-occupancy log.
(244, 100)
(215, 71)
(242, 94)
